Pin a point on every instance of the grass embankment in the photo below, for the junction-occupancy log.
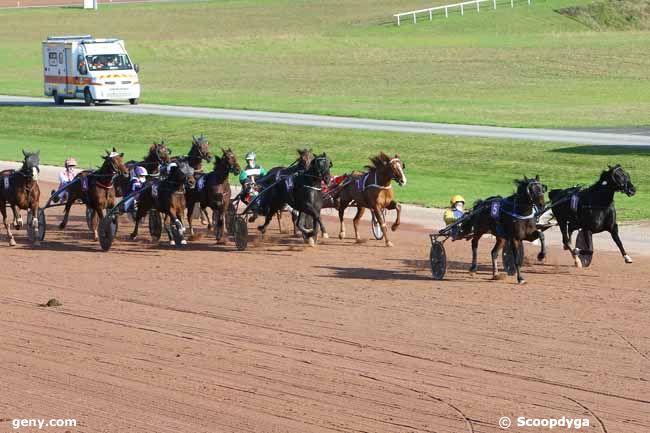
(527, 66)
(437, 167)
(612, 14)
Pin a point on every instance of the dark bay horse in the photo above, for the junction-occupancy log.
(373, 190)
(511, 220)
(167, 196)
(591, 210)
(159, 154)
(19, 189)
(301, 191)
(96, 189)
(213, 190)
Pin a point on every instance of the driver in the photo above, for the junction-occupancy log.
(456, 211)
(137, 182)
(65, 177)
(251, 170)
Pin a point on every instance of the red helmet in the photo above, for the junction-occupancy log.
(70, 162)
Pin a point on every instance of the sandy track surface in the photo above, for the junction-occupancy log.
(343, 337)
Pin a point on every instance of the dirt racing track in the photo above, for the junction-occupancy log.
(343, 337)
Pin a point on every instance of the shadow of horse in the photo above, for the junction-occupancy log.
(374, 274)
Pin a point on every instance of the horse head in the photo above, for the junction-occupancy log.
(159, 153)
(320, 167)
(31, 164)
(393, 168)
(114, 163)
(398, 167)
(619, 179)
(532, 190)
(182, 173)
(200, 148)
(230, 160)
(305, 158)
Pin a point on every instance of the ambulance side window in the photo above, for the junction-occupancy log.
(53, 59)
(81, 65)
(60, 58)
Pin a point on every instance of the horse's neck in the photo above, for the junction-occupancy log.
(106, 169)
(600, 194)
(380, 177)
(520, 203)
(221, 171)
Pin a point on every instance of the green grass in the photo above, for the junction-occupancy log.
(612, 14)
(527, 66)
(437, 167)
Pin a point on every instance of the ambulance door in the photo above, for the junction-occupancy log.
(57, 68)
(70, 72)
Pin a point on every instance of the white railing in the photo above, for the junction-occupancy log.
(446, 8)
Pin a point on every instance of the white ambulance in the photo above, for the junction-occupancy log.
(95, 70)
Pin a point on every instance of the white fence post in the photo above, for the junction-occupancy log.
(430, 15)
(494, 3)
(461, 9)
(478, 8)
(415, 20)
(512, 3)
(398, 20)
(446, 13)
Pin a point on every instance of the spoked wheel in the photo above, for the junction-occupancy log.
(438, 260)
(240, 228)
(582, 244)
(508, 259)
(41, 224)
(230, 218)
(107, 230)
(89, 217)
(155, 225)
(376, 228)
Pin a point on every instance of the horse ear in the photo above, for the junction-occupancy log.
(107, 152)
(24, 153)
(122, 155)
(537, 177)
(38, 152)
(525, 178)
(114, 149)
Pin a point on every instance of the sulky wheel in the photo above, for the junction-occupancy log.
(508, 262)
(230, 218)
(107, 230)
(41, 224)
(218, 227)
(240, 228)
(582, 244)
(376, 228)
(155, 225)
(438, 260)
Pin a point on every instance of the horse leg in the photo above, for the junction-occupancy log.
(566, 241)
(66, 213)
(206, 215)
(542, 254)
(175, 215)
(139, 214)
(219, 223)
(3, 210)
(18, 219)
(94, 222)
(342, 206)
(37, 241)
(398, 207)
(619, 243)
(190, 212)
(279, 217)
(355, 223)
(379, 216)
(498, 246)
(172, 242)
(515, 245)
(474, 267)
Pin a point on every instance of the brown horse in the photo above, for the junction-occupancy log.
(213, 190)
(159, 154)
(96, 189)
(372, 189)
(167, 196)
(19, 189)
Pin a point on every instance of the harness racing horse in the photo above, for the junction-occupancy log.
(213, 190)
(301, 191)
(591, 210)
(159, 154)
(511, 220)
(373, 190)
(19, 189)
(167, 196)
(96, 189)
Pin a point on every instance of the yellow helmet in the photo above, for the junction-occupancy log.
(456, 198)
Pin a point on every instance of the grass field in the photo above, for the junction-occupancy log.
(437, 167)
(527, 66)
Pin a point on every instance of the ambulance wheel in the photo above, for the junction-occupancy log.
(58, 100)
(134, 101)
(88, 98)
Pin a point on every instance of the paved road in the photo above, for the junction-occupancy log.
(562, 136)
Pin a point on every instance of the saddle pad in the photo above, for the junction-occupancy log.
(154, 190)
(288, 182)
(200, 183)
(361, 182)
(6, 181)
(495, 209)
(575, 199)
(84, 183)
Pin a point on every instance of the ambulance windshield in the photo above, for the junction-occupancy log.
(108, 62)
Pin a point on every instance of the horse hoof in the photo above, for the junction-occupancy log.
(12, 242)
(498, 277)
(360, 241)
(61, 226)
(37, 243)
(522, 281)
(394, 227)
(472, 270)
(183, 242)
(326, 236)
(133, 237)
(578, 262)
(172, 243)
(311, 242)
(389, 244)
(342, 235)
(541, 257)
(261, 229)
(627, 258)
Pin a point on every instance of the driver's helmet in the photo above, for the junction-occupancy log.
(250, 156)
(70, 162)
(141, 171)
(456, 199)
